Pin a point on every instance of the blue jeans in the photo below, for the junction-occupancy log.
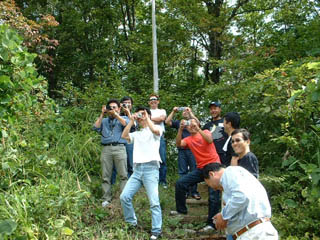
(186, 164)
(182, 186)
(129, 150)
(163, 165)
(147, 175)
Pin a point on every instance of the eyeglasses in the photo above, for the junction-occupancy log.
(236, 140)
(153, 99)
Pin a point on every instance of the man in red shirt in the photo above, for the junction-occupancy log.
(200, 143)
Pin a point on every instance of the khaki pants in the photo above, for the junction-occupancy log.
(117, 156)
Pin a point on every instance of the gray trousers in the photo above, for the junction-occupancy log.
(117, 156)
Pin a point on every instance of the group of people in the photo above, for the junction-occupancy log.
(134, 145)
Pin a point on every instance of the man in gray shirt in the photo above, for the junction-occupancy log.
(247, 211)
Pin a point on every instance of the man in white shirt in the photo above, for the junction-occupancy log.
(146, 163)
(159, 117)
(247, 211)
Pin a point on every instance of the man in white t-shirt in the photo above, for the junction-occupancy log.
(159, 117)
(146, 163)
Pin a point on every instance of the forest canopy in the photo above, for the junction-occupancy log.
(61, 60)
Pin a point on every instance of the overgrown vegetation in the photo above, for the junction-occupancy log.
(50, 172)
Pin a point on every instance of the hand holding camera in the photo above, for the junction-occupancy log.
(184, 123)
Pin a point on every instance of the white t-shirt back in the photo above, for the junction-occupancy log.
(145, 145)
(157, 113)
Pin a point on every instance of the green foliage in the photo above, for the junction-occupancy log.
(280, 108)
(21, 88)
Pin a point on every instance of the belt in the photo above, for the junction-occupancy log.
(112, 144)
(247, 227)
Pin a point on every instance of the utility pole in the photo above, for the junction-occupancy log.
(154, 49)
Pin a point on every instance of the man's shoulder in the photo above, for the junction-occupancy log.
(249, 155)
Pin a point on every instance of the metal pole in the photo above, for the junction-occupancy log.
(154, 49)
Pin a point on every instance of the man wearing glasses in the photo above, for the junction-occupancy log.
(158, 116)
(113, 147)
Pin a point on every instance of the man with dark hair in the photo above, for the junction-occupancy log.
(158, 117)
(186, 160)
(113, 147)
(215, 126)
(247, 210)
(241, 146)
(146, 163)
(230, 123)
(126, 102)
(201, 145)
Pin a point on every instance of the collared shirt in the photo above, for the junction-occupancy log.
(245, 197)
(111, 130)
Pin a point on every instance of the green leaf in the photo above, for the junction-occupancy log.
(295, 95)
(315, 96)
(67, 231)
(290, 203)
(313, 65)
(7, 227)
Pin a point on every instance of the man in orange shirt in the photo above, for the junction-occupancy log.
(200, 143)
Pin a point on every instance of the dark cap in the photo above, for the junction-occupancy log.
(217, 103)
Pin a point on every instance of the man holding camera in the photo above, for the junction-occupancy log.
(126, 103)
(201, 144)
(146, 162)
(113, 147)
(186, 160)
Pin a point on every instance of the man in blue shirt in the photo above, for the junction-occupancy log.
(247, 211)
(113, 147)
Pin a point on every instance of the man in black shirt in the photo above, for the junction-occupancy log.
(215, 126)
(230, 123)
(241, 146)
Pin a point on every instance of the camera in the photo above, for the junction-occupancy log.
(139, 115)
(109, 108)
(125, 105)
(181, 108)
(187, 123)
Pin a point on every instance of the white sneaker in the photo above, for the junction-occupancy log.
(105, 204)
(207, 228)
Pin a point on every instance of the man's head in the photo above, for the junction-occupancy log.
(193, 126)
(113, 104)
(240, 141)
(153, 101)
(215, 110)
(127, 101)
(231, 122)
(186, 113)
(212, 173)
(140, 112)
